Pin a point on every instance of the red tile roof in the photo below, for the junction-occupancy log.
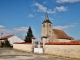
(63, 43)
(61, 34)
(6, 37)
(22, 43)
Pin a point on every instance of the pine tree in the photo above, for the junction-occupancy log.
(29, 36)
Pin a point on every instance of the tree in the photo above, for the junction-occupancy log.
(29, 36)
(7, 43)
(2, 44)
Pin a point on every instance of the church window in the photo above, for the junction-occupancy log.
(50, 25)
(43, 25)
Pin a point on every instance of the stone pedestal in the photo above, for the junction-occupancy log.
(44, 39)
(33, 44)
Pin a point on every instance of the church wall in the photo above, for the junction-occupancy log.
(50, 32)
(47, 31)
(72, 51)
(44, 29)
(54, 37)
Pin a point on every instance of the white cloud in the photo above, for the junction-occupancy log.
(65, 27)
(16, 31)
(1, 26)
(42, 8)
(44, 2)
(67, 1)
(21, 29)
(61, 8)
(31, 15)
(6, 32)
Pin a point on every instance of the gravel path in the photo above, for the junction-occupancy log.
(10, 54)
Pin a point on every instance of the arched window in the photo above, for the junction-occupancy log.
(43, 25)
(49, 25)
(50, 32)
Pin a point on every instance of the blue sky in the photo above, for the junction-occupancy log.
(17, 15)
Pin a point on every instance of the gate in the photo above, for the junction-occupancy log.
(38, 50)
(37, 47)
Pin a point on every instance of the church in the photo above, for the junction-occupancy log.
(53, 35)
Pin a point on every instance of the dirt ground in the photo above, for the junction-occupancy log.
(11, 54)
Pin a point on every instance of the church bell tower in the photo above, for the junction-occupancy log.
(47, 29)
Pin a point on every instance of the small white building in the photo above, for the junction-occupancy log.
(11, 39)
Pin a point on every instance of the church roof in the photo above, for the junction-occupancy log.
(71, 38)
(46, 19)
(61, 34)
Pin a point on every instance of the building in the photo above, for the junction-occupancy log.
(52, 34)
(11, 39)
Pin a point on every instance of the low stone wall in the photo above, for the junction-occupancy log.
(72, 51)
(23, 47)
(64, 40)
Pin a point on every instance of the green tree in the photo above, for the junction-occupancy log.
(29, 36)
(7, 43)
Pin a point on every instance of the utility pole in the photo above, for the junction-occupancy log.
(1, 35)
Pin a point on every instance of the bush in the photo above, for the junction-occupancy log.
(6, 43)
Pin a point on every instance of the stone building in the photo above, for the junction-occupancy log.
(52, 34)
